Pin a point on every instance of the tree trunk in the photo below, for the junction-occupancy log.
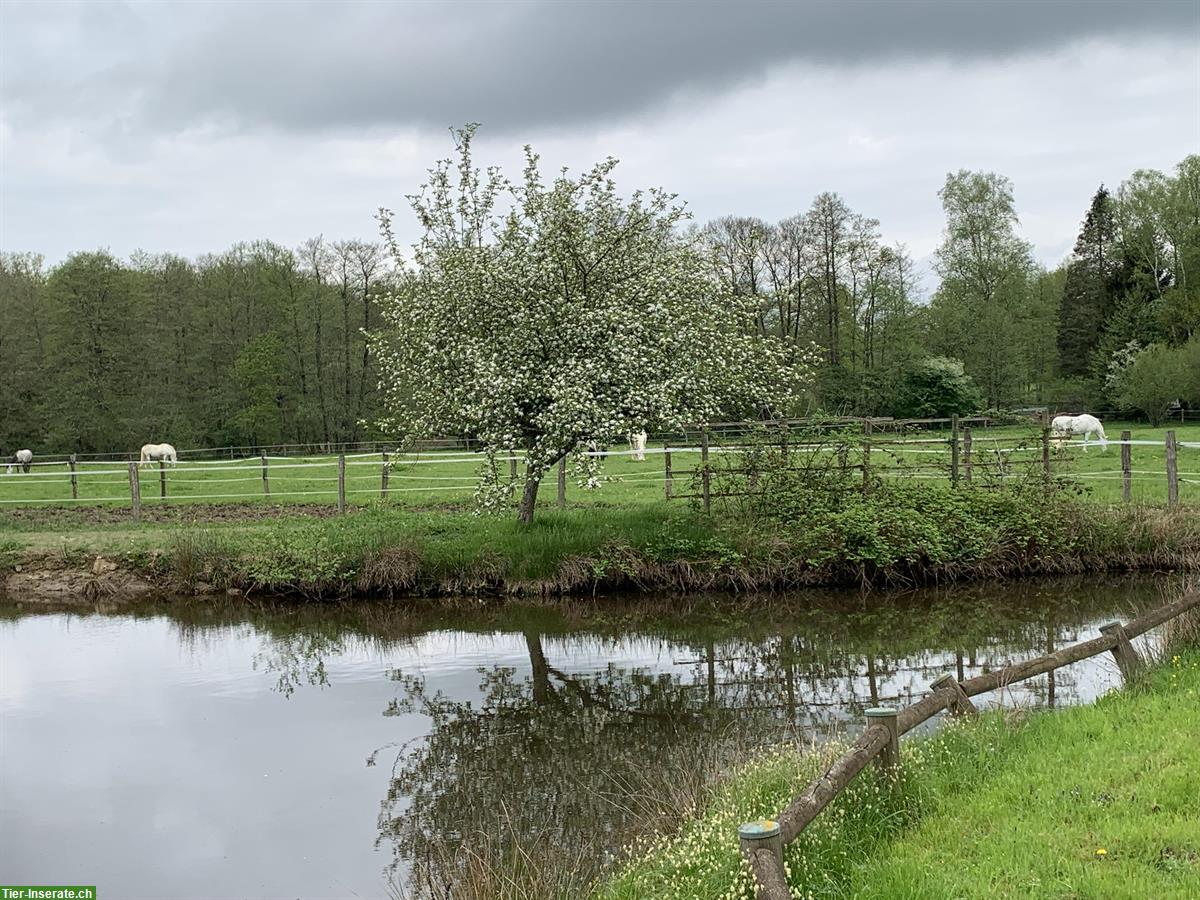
(528, 499)
(541, 669)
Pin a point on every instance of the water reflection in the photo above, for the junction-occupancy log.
(563, 726)
(563, 755)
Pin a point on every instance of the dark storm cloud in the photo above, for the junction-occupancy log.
(332, 66)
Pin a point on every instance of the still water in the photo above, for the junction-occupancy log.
(204, 749)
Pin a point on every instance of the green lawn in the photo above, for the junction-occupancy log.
(449, 478)
(1094, 802)
(1098, 801)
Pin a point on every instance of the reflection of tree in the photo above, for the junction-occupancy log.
(556, 759)
(559, 759)
(296, 659)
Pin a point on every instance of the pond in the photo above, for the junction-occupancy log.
(201, 748)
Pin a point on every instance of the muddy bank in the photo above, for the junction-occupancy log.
(57, 582)
(50, 579)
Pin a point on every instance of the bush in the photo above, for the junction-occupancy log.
(935, 387)
(1159, 376)
(897, 528)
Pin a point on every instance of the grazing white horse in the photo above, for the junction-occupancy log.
(1063, 426)
(21, 458)
(637, 443)
(151, 452)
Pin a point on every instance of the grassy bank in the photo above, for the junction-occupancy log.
(1095, 801)
(903, 532)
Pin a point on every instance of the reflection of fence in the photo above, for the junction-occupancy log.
(762, 842)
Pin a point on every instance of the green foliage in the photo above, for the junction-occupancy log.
(981, 309)
(1159, 376)
(10, 553)
(256, 344)
(823, 519)
(1091, 288)
(261, 343)
(935, 387)
(260, 372)
(313, 555)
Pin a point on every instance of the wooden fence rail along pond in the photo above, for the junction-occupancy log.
(762, 842)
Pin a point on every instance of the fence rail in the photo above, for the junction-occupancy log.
(966, 458)
(707, 458)
(762, 842)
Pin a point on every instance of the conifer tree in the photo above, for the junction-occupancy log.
(1091, 289)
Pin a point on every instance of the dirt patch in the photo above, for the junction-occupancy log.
(186, 513)
(61, 584)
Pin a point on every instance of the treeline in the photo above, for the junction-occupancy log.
(263, 344)
(257, 345)
(1113, 327)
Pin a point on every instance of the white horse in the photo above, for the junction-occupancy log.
(1063, 426)
(637, 443)
(21, 458)
(151, 452)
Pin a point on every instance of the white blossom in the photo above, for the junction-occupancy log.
(549, 317)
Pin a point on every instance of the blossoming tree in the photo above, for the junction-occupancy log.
(546, 317)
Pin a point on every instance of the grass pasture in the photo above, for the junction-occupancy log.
(430, 479)
(447, 478)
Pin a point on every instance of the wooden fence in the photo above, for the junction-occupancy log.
(762, 842)
(964, 463)
(873, 447)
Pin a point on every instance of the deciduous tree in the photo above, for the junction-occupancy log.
(548, 316)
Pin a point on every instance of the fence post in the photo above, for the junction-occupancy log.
(341, 482)
(705, 478)
(966, 436)
(1172, 471)
(162, 479)
(1126, 657)
(954, 450)
(866, 455)
(667, 486)
(562, 483)
(960, 704)
(1046, 448)
(763, 835)
(383, 477)
(1126, 467)
(783, 444)
(889, 757)
(1051, 685)
(74, 481)
(135, 492)
(512, 464)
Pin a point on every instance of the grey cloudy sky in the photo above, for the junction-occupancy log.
(186, 127)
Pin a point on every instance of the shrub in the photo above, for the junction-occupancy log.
(935, 387)
(1158, 376)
